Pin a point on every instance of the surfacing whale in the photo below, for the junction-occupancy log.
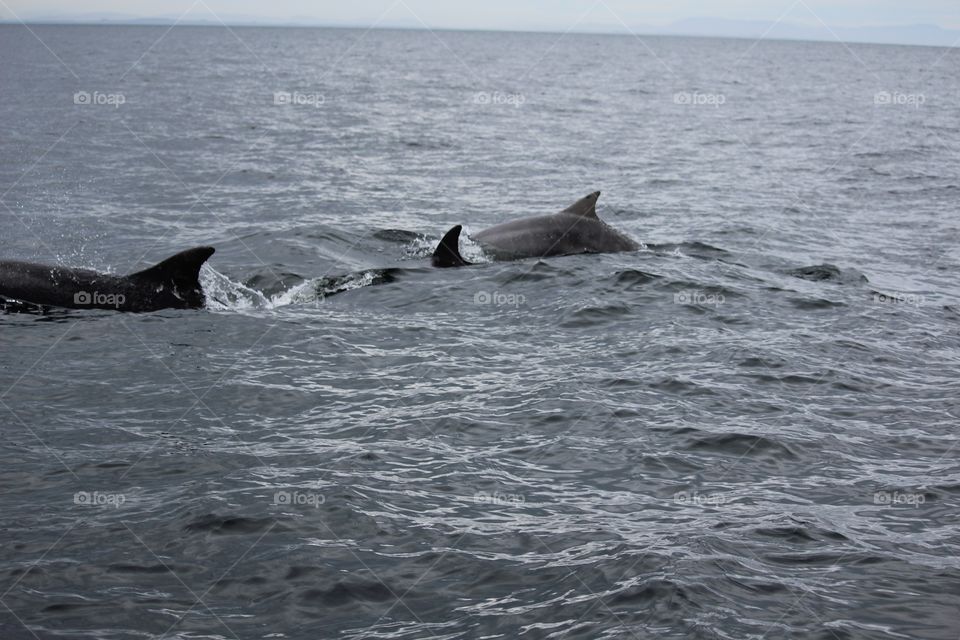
(576, 229)
(171, 284)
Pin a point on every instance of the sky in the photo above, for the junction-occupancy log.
(504, 14)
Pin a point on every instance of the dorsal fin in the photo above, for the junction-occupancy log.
(181, 270)
(585, 206)
(447, 253)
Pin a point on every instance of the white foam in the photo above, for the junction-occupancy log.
(223, 294)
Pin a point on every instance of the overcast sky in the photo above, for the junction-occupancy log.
(509, 14)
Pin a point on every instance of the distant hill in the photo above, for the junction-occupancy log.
(918, 34)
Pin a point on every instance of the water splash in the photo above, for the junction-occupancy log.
(422, 247)
(224, 294)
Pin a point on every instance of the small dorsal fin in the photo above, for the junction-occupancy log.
(181, 270)
(447, 253)
(585, 206)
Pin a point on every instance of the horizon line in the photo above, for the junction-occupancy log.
(623, 31)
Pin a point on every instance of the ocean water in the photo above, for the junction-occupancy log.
(747, 429)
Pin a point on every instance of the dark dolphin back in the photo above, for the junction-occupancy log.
(47, 285)
(576, 229)
(175, 282)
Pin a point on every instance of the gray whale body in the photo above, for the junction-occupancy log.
(171, 284)
(576, 229)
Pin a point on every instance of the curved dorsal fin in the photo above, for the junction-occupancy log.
(585, 206)
(447, 253)
(181, 270)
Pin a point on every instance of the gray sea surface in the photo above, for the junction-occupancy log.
(746, 429)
